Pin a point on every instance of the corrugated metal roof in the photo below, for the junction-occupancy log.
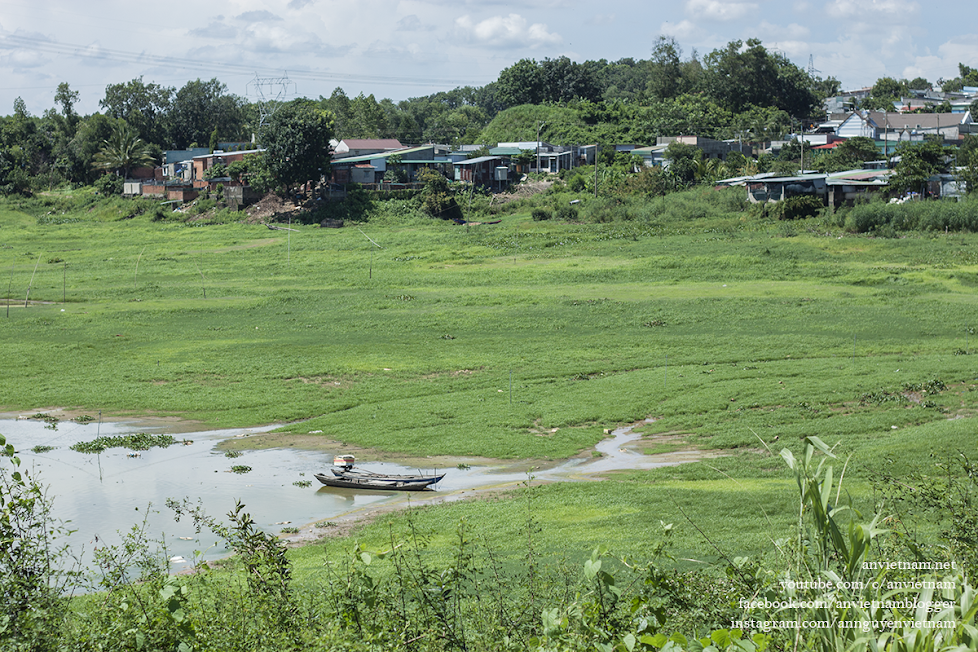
(372, 157)
(372, 143)
(481, 159)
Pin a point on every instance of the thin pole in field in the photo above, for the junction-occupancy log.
(29, 285)
(202, 286)
(137, 268)
(371, 269)
(9, 283)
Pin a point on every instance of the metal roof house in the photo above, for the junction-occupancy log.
(906, 126)
(412, 159)
(360, 146)
(833, 189)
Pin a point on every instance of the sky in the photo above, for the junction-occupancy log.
(282, 49)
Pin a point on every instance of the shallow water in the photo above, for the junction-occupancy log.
(102, 495)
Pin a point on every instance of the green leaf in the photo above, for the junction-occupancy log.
(629, 641)
(366, 558)
(591, 568)
(655, 641)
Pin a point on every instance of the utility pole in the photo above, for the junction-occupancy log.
(539, 128)
(596, 147)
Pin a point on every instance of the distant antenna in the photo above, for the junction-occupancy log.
(270, 93)
(811, 66)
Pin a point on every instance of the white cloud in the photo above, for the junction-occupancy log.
(412, 23)
(683, 30)
(719, 11)
(257, 17)
(506, 31)
(962, 49)
(889, 11)
(18, 59)
(216, 29)
(794, 31)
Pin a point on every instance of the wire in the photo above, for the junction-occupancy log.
(110, 54)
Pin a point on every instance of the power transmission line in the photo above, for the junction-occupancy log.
(54, 47)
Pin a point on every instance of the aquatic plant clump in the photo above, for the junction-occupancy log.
(138, 442)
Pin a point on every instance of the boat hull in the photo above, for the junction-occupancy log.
(377, 483)
(358, 474)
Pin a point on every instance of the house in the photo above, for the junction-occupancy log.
(710, 148)
(200, 164)
(360, 146)
(482, 171)
(411, 160)
(833, 189)
(548, 157)
(892, 126)
(652, 156)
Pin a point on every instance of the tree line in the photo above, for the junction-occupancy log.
(741, 91)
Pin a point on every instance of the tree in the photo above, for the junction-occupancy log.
(967, 163)
(665, 69)
(296, 142)
(144, 106)
(683, 162)
(565, 80)
(849, 155)
(201, 107)
(885, 92)
(339, 105)
(124, 150)
(746, 73)
(918, 162)
(66, 99)
(521, 83)
(686, 114)
(366, 118)
(919, 84)
(829, 87)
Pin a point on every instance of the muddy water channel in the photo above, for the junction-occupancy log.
(107, 494)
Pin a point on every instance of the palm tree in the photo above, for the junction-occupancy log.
(124, 150)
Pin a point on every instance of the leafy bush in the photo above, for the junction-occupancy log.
(566, 212)
(540, 214)
(799, 208)
(938, 215)
(109, 184)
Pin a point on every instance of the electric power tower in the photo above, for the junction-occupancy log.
(270, 93)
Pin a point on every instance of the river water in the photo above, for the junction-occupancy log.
(101, 496)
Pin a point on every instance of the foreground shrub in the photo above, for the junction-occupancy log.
(937, 215)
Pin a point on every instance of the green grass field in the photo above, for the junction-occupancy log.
(522, 341)
(481, 340)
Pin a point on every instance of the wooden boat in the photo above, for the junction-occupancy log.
(379, 482)
(344, 475)
(360, 473)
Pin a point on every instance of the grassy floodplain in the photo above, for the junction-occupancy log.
(518, 340)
